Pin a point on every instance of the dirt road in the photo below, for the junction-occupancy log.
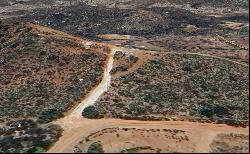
(97, 92)
(203, 134)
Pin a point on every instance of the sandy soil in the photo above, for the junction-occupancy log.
(201, 134)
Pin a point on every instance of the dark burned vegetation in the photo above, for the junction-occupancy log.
(162, 26)
(182, 87)
(90, 21)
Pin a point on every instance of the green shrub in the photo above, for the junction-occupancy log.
(95, 147)
(36, 150)
(49, 115)
(91, 113)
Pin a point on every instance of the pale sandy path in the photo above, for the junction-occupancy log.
(97, 92)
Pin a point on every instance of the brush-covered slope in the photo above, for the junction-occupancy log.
(42, 74)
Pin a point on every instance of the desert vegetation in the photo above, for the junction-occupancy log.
(139, 149)
(95, 147)
(230, 143)
(181, 87)
(25, 136)
(123, 62)
(179, 60)
(38, 79)
(91, 113)
(41, 77)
